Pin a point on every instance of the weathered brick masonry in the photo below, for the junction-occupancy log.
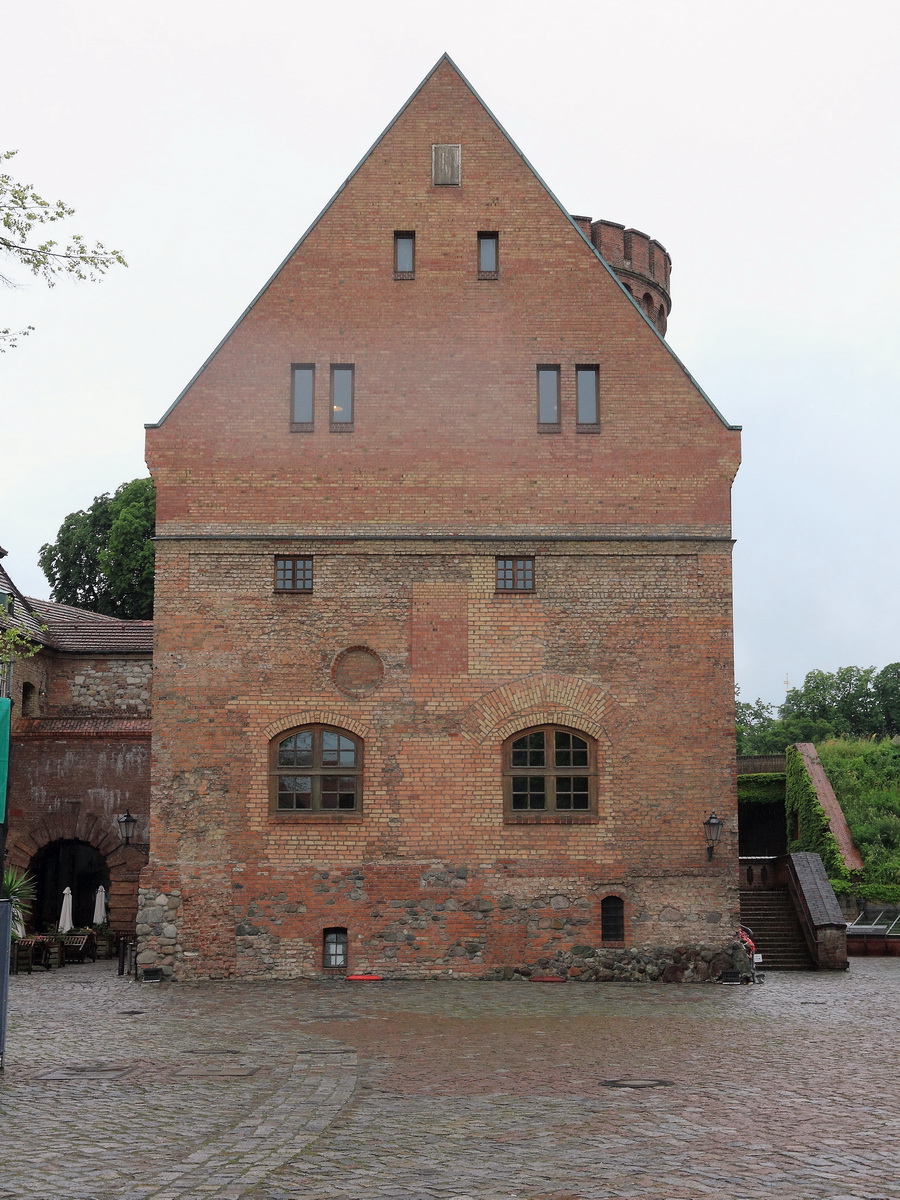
(404, 643)
(79, 753)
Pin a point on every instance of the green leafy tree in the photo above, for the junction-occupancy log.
(886, 686)
(102, 558)
(22, 212)
(845, 698)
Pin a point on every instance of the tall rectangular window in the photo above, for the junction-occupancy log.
(515, 574)
(548, 398)
(587, 395)
(404, 255)
(341, 395)
(303, 379)
(488, 255)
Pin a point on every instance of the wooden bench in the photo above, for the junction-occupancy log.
(78, 946)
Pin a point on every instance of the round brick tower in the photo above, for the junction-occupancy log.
(642, 264)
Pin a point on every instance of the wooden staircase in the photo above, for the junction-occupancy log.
(776, 930)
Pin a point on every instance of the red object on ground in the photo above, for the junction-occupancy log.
(548, 979)
(362, 978)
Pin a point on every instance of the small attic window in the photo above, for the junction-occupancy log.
(7, 603)
(445, 165)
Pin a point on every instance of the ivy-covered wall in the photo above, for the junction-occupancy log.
(807, 821)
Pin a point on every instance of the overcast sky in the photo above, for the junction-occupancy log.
(757, 142)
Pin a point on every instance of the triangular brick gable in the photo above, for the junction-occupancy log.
(445, 363)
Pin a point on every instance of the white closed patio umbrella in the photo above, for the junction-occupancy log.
(65, 917)
(99, 917)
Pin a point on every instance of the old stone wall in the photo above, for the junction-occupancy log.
(117, 685)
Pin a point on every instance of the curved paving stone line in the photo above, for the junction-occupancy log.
(318, 1087)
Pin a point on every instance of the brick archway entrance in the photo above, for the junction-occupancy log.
(71, 824)
(67, 862)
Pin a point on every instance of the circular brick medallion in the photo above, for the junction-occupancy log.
(358, 671)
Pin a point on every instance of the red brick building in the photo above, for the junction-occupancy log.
(79, 755)
(443, 664)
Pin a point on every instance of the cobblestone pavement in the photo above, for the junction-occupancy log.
(452, 1091)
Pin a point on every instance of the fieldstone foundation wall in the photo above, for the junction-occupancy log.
(158, 921)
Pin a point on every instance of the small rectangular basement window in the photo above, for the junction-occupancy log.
(335, 948)
(445, 165)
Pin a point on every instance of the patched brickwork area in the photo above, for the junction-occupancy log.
(444, 685)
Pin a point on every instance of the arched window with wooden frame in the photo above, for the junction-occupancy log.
(550, 774)
(316, 771)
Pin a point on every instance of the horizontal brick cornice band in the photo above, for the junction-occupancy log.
(456, 538)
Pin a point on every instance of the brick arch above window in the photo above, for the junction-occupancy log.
(318, 716)
(544, 699)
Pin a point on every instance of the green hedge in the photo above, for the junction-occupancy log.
(766, 787)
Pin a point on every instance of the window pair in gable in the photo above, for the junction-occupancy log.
(587, 398)
(303, 396)
(314, 770)
(405, 255)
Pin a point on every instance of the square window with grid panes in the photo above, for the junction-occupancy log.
(293, 574)
(515, 574)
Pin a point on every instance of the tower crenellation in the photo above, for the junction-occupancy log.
(641, 263)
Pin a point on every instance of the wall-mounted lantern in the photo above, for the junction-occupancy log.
(712, 831)
(126, 825)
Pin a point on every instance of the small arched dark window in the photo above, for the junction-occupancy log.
(334, 948)
(661, 320)
(316, 769)
(612, 919)
(551, 771)
(29, 700)
(648, 305)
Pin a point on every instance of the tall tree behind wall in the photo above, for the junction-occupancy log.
(102, 558)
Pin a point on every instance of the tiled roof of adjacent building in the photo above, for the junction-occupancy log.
(63, 627)
(77, 629)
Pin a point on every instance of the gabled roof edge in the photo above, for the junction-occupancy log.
(581, 234)
(284, 262)
(444, 58)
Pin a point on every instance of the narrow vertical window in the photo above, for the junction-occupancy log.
(488, 255)
(404, 255)
(612, 919)
(445, 164)
(335, 948)
(587, 396)
(303, 380)
(341, 395)
(548, 399)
